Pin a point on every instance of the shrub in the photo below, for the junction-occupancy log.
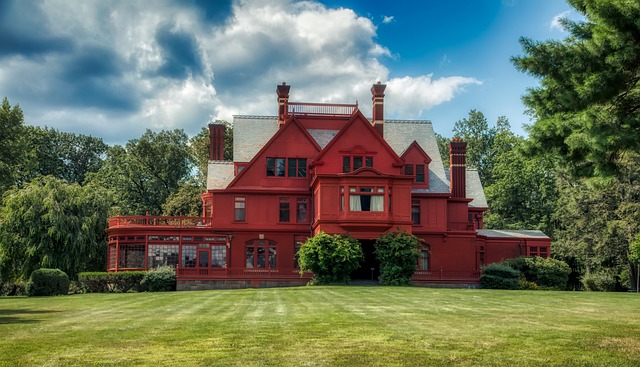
(499, 276)
(94, 282)
(75, 287)
(48, 282)
(102, 282)
(547, 273)
(13, 288)
(330, 258)
(600, 281)
(398, 256)
(160, 279)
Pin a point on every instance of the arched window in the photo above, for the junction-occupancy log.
(425, 258)
(260, 254)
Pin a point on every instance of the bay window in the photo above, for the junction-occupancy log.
(366, 199)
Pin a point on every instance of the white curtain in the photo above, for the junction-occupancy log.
(354, 203)
(377, 203)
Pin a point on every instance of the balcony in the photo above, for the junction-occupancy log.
(121, 221)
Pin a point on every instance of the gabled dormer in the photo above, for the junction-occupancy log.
(416, 164)
(283, 162)
(357, 145)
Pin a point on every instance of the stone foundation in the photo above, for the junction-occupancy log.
(201, 285)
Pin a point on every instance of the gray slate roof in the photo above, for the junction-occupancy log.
(495, 233)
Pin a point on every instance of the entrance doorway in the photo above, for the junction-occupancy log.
(370, 267)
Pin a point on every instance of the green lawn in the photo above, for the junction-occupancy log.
(324, 326)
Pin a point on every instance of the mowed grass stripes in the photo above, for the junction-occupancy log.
(323, 326)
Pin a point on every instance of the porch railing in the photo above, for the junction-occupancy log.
(290, 273)
(443, 274)
(320, 109)
(159, 221)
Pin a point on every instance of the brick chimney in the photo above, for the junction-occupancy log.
(216, 142)
(457, 168)
(377, 100)
(283, 98)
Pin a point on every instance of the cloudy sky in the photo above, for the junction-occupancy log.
(114, 68)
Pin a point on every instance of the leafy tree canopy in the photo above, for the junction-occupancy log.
(587, 107)
(11, 143)
(52, 224)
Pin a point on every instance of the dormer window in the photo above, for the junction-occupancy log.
(354, 162)
(415, 170)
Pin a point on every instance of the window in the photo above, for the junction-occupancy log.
(112, 256)
(260, 254)
(188, 256)
(275, 167)
(544, 252)
(366, 199)
(131, 256)
(218, 256)
(161, 255)
(533, 251)
(415, 211)
(297, 167)
(301, 210)
(355, 162)
(240, 210)
(420, 173)
(425, 255)
(293, 167)
(408, 169)
(284, 210)
(416, 170)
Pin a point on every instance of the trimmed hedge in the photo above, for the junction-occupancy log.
(48, 282)
(161, 279)
(499, 276)
(102, 282)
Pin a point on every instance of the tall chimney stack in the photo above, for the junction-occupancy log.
(377, 100)
(457, 168)
(216, 142)
(283, 98)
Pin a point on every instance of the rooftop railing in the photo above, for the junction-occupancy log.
(320, 109)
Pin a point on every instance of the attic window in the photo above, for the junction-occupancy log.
(354, 162)
(416, 170)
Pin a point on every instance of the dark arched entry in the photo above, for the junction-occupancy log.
(370, 267)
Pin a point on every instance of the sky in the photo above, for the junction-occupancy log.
(112, 69)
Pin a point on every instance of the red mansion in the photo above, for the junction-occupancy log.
(323, 167)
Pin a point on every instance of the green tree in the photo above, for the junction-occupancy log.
(481, 149)
(199, 145)
(587, 107)
(52, 224)
(11, 144)
(146, 172)
(443, 147)
(398, 255)
(523, 194)
(185, 201)
(331, 258)
(63, 155)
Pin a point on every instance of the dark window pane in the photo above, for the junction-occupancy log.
(280, 167)
(291, 170)
(419, 172)
(368, 161)
(271, 167)
(302, 167)
(357, 163)
(346, 164)
(284, 210)
(408, 169)
(301, 210)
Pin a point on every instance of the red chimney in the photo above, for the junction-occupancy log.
(377, 100)
(457, 168)
(216, 142)
(283, 98)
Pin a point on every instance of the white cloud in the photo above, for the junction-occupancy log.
(555, 22)
(387, 19)
(408, 97)
(327, 55)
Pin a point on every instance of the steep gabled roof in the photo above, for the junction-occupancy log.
(418, 148)
(358, 118)
(292, 123)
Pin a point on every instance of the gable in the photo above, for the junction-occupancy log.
(357, 138)
(291, 143)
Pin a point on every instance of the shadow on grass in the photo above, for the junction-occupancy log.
(20, 316)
